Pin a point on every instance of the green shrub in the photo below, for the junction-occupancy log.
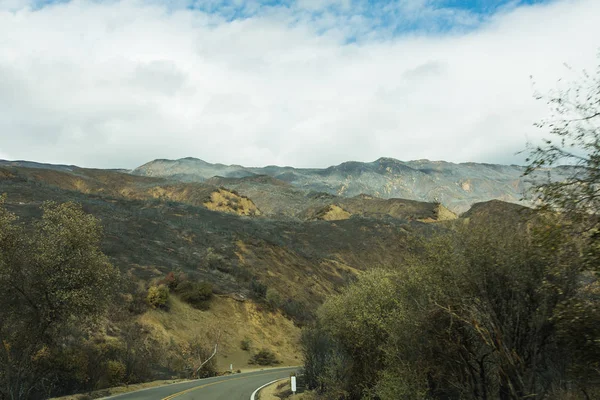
(116, 372)
(158, 296)
(264, 357)
(197, 294)
(298, 311)
(273, 299)
(246, 344)
(259, 289)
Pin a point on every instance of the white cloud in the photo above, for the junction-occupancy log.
(117, 84)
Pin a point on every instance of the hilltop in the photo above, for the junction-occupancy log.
(457, 186)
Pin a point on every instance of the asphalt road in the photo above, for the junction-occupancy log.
(230, 387)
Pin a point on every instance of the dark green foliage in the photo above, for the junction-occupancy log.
(264, 357)
(198, 294)
(259, 289)
(56, 284)
(273, 299)
(246, 344)
(298, 311)
(327, 367)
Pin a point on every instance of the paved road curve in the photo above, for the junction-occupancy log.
(231, 387)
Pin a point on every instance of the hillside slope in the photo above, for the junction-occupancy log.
(152, 232)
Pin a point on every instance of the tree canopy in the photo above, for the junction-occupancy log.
(573, 128)
(55, 284)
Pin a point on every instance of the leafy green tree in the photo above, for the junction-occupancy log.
(357, 319)
(574, 139)
(56, 283)
(470, 316)
(327, 366)
(158, 296)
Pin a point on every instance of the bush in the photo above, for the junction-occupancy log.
(298, 311)
(264, 357)
(273, 299)
(136, 301)
(246, 344)
(171, 280)
(116, 372)
(158, 296)
(198, 294)
(259, 289)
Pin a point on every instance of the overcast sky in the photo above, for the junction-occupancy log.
(307, 83)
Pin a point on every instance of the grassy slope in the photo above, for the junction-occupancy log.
(235, 321)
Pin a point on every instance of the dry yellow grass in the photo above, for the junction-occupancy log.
(444, 214)
(233, 321)
(270, 392)
(335, 213)
(226, 201)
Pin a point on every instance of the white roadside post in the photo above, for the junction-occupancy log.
(231, 368)
(293, 383)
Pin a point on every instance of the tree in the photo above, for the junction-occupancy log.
(56, 284)
(574, 129)
(469, 316)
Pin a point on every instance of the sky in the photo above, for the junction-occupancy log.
(306, 83)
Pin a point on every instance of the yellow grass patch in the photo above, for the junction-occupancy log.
(233, 321)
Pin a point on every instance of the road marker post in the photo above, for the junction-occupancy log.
(293, 383)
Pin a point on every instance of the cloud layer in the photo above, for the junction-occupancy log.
(118, 83)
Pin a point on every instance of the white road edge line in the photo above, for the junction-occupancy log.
(113, 396)
(253, 397)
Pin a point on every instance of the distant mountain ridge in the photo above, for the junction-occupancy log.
(457, 186)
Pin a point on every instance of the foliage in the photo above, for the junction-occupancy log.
(171, 280)
(195, 353)
(574, 126)
(198, 294)
(56, 285)
(158, 296)
(474, 316)
(264, 357)
(574, 129)
(300, 312)
(116, 372)
(273, 299)
(258, 289)
(246, 344)
(327, 366)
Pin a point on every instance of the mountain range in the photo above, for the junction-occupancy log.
(456, 186)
